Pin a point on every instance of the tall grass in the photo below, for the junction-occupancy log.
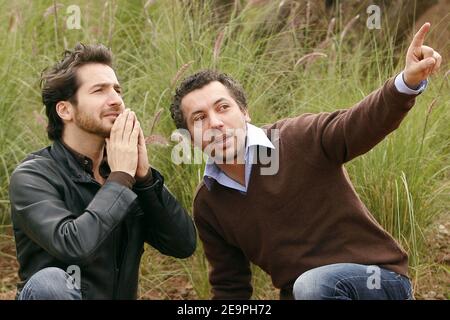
(403, 181)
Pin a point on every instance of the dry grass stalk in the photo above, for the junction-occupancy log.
(348, 27)
(180, 73)
(308, 58)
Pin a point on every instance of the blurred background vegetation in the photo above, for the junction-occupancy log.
(291, 57)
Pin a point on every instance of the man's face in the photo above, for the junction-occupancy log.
(99, 99)
(216, 123)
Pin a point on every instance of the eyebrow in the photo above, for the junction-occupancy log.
(215, 103)
(106, 84)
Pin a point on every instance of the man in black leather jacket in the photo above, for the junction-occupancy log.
(83, 207)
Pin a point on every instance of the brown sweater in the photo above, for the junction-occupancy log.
(308, 214)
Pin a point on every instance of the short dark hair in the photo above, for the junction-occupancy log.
(199, 80)
(59, 83)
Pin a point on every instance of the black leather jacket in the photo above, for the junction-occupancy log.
(62, 217)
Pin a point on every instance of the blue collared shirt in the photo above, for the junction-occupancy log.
(257, 137)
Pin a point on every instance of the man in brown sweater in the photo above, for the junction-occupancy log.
(281, 199)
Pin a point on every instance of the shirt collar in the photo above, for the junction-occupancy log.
(86, 163)
(254, 137)
(257, 137)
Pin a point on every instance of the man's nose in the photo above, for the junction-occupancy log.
(215, 121)
(114, 99)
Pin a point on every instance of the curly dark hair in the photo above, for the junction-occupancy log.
(199, 80)
(59, 83)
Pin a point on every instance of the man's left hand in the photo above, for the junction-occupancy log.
(421, 61)
(143, 164)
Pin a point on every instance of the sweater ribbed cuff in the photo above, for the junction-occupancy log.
(123, 178)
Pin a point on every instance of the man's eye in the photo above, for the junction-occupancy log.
(223, 106)
(199, 118)
(98, 90)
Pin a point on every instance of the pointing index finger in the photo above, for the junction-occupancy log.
(419, 37)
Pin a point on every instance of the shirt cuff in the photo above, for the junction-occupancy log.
(123, 178)
(145, 181)
(402, 87)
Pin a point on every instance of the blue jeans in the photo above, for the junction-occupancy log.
(50, 284)
(349, 281)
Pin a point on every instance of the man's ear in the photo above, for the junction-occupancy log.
(64, 109)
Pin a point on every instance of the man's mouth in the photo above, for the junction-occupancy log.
(111, 115)
(222, 139)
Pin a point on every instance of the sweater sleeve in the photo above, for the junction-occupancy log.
(342, 135)
(230, 273)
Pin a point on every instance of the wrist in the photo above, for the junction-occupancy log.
(142, 172)
(146, 179)
(413, 85)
